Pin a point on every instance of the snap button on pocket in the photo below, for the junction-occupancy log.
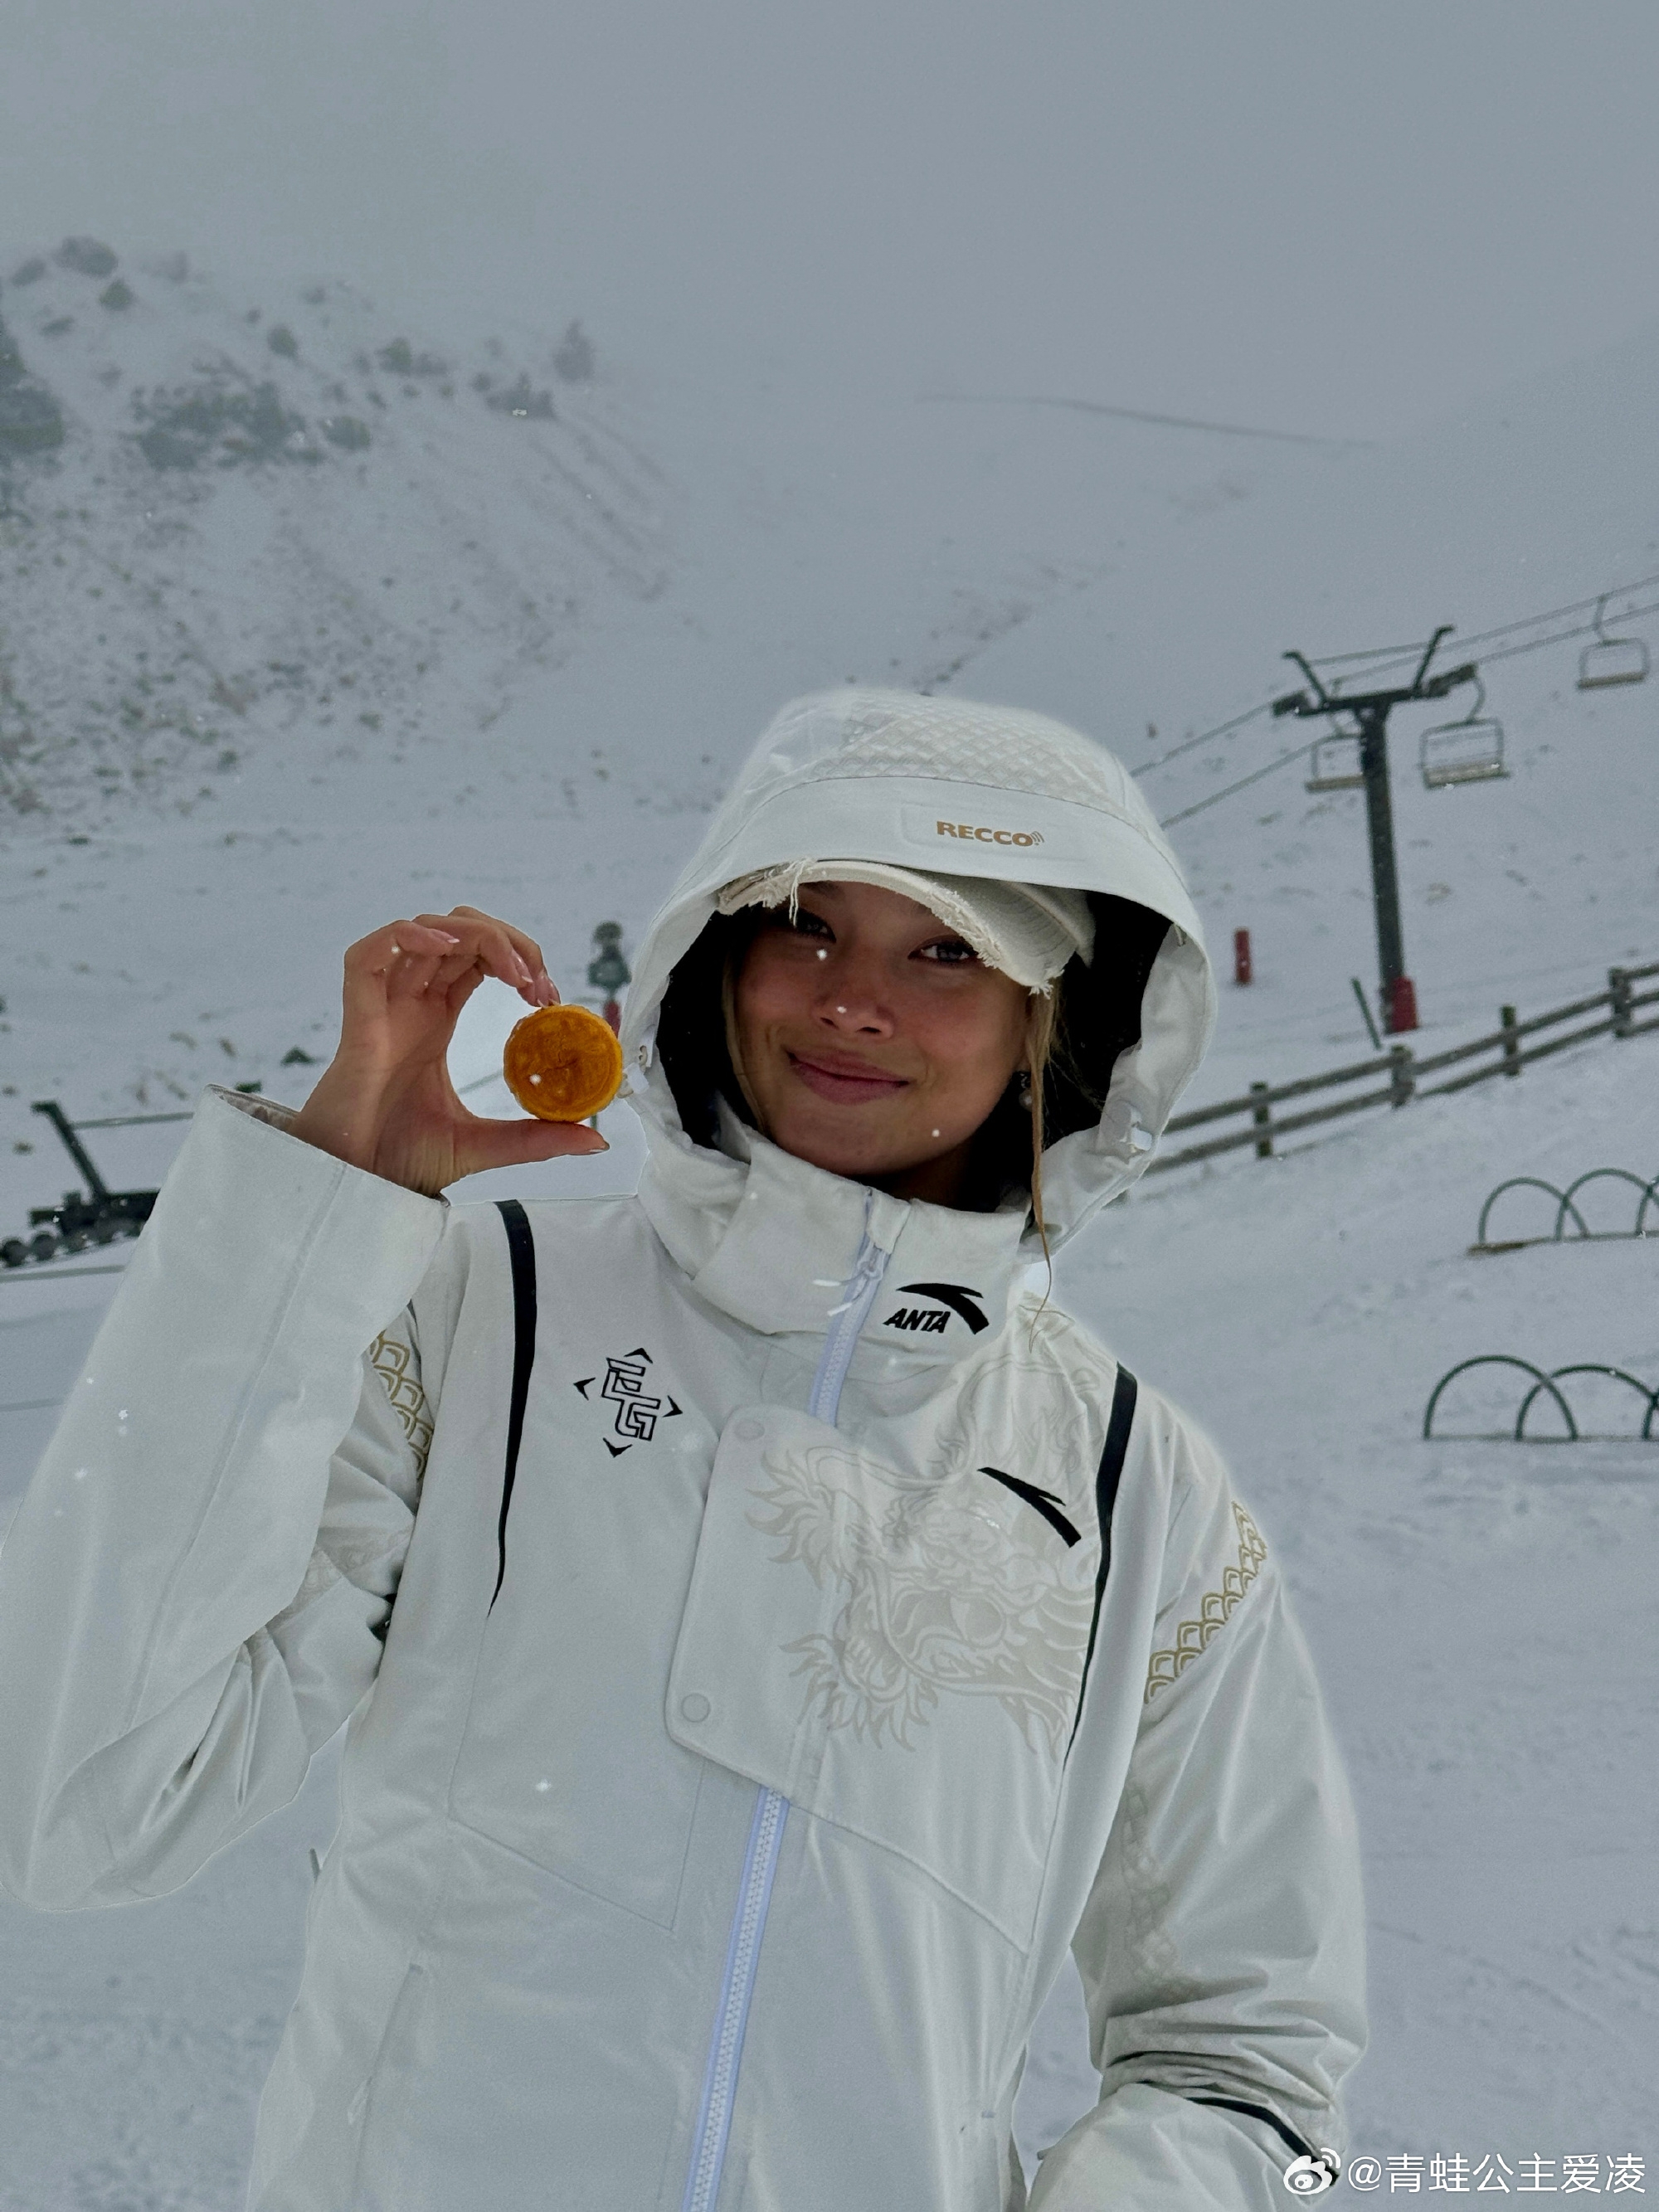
(749, 1430)
(695, 1706)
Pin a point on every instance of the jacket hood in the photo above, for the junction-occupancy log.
(969, 790)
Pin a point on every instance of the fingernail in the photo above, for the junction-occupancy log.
(446, 936)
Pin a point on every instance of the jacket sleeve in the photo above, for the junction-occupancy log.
(192, 1592)
(1222, 1945)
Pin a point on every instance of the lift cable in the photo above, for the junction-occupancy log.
(1504, 653)
(1394, 653)
(1374, 653)
(1203, 737)
(1215, 798)
(1561, 637)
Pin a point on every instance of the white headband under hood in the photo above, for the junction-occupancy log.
(1028, 931)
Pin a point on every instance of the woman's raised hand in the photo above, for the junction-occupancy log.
(385, 1102)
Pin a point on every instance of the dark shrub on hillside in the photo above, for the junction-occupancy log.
(224, 424)
(88, 256)
(31, 421)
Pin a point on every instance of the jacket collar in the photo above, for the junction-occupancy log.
(771, 1240)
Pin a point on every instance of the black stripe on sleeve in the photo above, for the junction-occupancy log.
(521, 1252)
(1119, 1423)
(1287, 2136)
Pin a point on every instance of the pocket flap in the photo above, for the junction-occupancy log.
(899, 1651)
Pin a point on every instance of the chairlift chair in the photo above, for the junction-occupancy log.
(1468, 751)
(1334, 765)
(1611, 660)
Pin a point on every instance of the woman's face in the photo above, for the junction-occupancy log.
(874, 1041)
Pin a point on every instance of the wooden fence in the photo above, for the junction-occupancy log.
(1397, 1077)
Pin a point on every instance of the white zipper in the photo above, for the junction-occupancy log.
(760, 1863)
(846, 1321)
(742, 1957)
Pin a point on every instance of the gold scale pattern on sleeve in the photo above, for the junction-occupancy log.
(392, 1361)
(1215, 1608)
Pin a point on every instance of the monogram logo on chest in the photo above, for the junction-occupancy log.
(625, 1386)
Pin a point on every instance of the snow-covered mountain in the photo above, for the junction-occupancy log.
(223, 521)
(239, 527)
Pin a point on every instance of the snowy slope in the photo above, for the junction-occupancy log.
(1478, 1610)
(1522, 889)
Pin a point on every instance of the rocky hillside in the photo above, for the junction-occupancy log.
(219, 517)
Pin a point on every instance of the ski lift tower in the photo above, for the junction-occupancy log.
(1371, 711)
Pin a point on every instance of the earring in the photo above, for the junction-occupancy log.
(1024, 1091)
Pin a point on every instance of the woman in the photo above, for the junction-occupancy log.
(804, 1631)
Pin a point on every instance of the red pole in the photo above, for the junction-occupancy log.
(1402, 1009)
(1242, 971)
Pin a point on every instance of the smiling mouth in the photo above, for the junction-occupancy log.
(846, 1083)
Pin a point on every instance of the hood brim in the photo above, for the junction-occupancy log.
(1062, 811)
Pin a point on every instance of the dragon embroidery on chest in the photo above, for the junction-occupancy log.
(949, 1585)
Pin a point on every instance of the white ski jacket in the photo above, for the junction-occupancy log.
(803, 1631)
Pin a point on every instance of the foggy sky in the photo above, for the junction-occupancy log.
(1310, 214)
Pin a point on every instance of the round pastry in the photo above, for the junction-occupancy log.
(562, 1063)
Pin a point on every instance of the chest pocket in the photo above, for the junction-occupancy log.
(899, 1653)
(564, 1759)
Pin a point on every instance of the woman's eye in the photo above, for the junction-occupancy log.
(949, 952)
(804, 923)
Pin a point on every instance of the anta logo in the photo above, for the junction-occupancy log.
(918, 1318)
(1043, 1501)
(638, 1411)
(988, 836)
(951, 1297)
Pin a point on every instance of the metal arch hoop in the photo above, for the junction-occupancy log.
(1533, 1182)
(1650, 1398)
(1504, 1359)
(1618, 1174)
(1649, 1197)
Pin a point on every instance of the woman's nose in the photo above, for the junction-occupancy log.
(852, 999)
